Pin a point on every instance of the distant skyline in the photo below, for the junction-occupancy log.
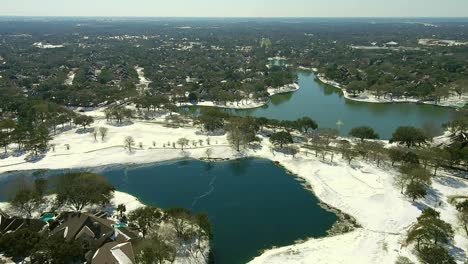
(236, 8)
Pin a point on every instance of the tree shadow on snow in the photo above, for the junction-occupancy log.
(122, 124)
(456, 252)
(432, 199)
(84, 131)
(211, 133)
(447, 181)
(34, 158)
(18, 153)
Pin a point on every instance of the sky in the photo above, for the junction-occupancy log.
(236, 8)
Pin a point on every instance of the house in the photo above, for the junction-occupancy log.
(12, 224)
(114, 252)
(103, 241)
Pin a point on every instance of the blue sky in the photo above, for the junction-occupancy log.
(237, 8)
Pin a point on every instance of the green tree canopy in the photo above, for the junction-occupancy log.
(82, 189)
(281, 138)
(410, 136)
(363, 132)
(145, 218)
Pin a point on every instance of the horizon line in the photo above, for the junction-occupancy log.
(219, 17)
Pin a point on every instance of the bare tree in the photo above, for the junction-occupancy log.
(183, 142)
(103, 132)
(95, 133)
(208, 152)
(129, 143)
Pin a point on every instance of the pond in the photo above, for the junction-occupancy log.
(327, 106)
(252, 203)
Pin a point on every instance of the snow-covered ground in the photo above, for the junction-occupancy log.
(144, 82)
(46, 45)
(248, 103)
(453, 100)
(361, 190)
(70, 77)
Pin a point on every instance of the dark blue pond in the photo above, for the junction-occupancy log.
(252, 203)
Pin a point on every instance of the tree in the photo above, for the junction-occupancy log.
(349, 155)
(95, 134)
(83, 120)
(343, 145)
(5, 140)
(281, 138)
(356, 87)
(118, 113)
(103, 132)
(155, 249)
(377, 150)
(305, 124)
(241, 131)
(396, 155)
(203, 221)
(180, 218)
(212, 119)
(462, 208)
(363, 132)
(182, 142)
(121, 208)
(38, 139)
(19, 244)
(435, 255)
(145, 218)
(55, 249)
(416, 190)
(440, 157)
(82, 189)
(129, 143)
(403, 260)
(208, 152)
(7, 126)
(414, 179)
(429, 230)
(410, 136)
(27, 200)
(193, 98)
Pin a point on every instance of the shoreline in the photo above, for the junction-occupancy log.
(248, 103)
(453, 102)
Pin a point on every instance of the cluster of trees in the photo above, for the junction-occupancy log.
(431, 235)
(213, 119)
(41, 248)
(74, 190)
(187, 230)
(118, 113)
(32, 122)
(414, 180)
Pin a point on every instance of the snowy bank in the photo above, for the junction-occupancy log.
(453, 100)
(248, 103)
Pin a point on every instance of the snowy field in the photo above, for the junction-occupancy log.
(361, 190)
